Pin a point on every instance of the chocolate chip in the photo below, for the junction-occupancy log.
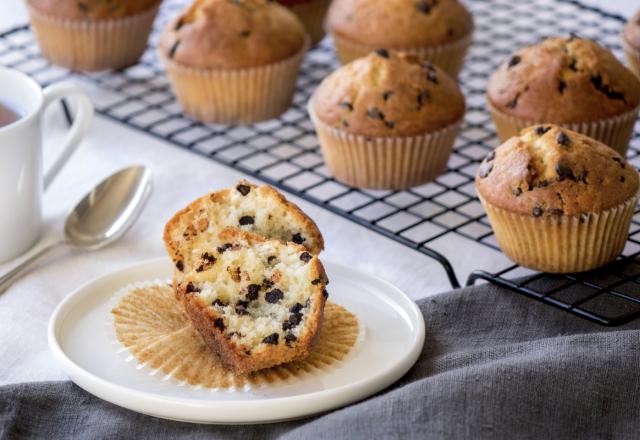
(598, 83)
(271, 339)
(296, 308)
(174, 48)
(294, 320)
(386, 95)
(375, 113)
(325, 293)
(267, 283)
(271, 259)
(514, 61)
(555, 211)
(563, 139)
(514, 102)
(219, 324)
(252, 291)
(537, 211)
(316, 281)
(432, 77)
(217, 302)
(245, 34)
(423, 97)
(619, 160)
(565, 172)
(561, 86)
(243, 189)
(180, 265)
(241, 308)
(224, 247)
(305, 256)
(384, 53)
(208, 260)
(273, 296)
(622, 179)
(540, 130)
(573, 64)
(346, 105)
(290, 337)
(246, 220)
(485, 169)
(297, 238)
(423, 7)
(516, 191)
(191, 288)
(389, 124)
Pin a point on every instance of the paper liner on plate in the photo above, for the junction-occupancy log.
(92, 44)
(312, 14)
(152, 325)
(633, 56)
(449, 57)
(562, 244)
(384, 162)
(229, 96)
(615, 132)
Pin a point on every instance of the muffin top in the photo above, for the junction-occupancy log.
(563, 80)
(92, 9)
(399, 24)
(233, 34)
(552, 171)
(387, 94)
(631, 31)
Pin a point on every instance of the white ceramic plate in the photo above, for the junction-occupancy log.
(392, 337)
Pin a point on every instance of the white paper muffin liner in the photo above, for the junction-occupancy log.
(562, 244)
(92, 44)
(614, 132)
(153, 333)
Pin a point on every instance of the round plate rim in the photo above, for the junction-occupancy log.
(282, 408)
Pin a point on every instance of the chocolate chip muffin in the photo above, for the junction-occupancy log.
(233, 61)
(388, 120)
(311, 13)
(558, 201)
(92, 34)
(631, 43)
(435, 30)
(571, 82)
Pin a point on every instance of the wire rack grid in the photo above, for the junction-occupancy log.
(443, 219)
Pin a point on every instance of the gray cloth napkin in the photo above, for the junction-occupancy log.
(495, 365)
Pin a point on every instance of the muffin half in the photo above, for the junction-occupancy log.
(558, 201)
(92, 34)
(388, 120)
(234, 61)
(570, 82)
(435, 30)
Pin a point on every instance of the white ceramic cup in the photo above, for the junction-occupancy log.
(22, 179)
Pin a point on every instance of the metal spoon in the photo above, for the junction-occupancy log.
(100, 218)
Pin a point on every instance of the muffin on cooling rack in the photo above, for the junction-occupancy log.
(311, 13)
(571, 82)
(435, 30)
(234, 61)
(558, 201)
(388, 120)
(631, 43)
(92, 34)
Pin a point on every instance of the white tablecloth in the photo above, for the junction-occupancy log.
(179, 177)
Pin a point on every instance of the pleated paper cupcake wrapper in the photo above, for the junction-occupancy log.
(230, 96)
(312, 14)
(562, 244)
(150, 329)
(385, 162)
(92, 45)
(633, 56)
(449, 57)
(615, 132)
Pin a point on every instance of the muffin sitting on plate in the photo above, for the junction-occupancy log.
(435, 30)
(558, 201)
(388, 120)
(631, 43)
(234, 61)
(571, 82)
(92, 34)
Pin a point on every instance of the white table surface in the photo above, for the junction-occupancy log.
(179, 177)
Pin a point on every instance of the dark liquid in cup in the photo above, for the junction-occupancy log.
(7, 116)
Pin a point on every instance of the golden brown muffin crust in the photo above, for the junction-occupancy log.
(400, 24)
(92, 9)
(233, 34)
(563, 80)
(549, 170)
(631, 31)
(387, 94)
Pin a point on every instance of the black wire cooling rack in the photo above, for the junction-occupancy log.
(443, 219)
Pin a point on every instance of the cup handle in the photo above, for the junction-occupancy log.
(78, 129)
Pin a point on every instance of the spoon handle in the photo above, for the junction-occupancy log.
(17, 272)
